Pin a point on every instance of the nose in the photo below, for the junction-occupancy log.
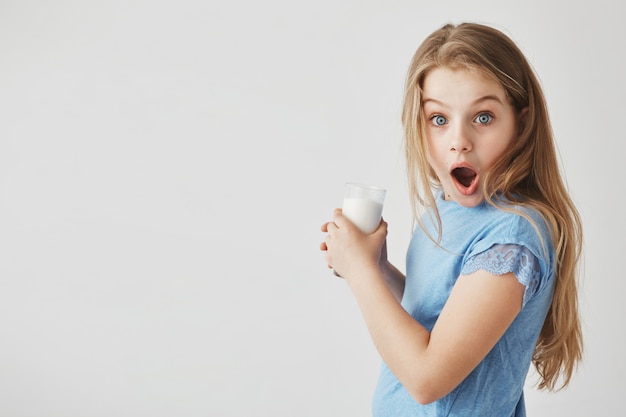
(460, 140)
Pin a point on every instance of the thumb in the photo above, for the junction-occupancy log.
(382, 229)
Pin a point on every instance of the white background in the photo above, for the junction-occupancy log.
(165, 167)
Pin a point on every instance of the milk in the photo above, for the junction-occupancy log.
(364, 213)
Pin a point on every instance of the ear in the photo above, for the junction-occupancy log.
(522, 119)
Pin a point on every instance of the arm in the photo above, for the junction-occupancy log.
(429, 365)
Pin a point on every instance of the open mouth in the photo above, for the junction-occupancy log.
(465, 179)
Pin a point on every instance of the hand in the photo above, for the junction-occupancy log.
(348, 250)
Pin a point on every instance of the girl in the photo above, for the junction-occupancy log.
(490, 280)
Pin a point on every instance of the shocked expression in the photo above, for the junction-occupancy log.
(470, 124)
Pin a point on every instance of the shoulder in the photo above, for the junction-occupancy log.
(518, 225)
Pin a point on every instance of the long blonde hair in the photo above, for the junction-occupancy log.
(527, 174)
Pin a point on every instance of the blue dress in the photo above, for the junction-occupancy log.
(481, 237)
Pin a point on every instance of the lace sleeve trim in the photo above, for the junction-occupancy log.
(502, 259)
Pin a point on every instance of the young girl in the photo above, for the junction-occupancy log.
(491, 273)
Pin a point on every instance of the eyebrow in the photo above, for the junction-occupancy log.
(477, 101)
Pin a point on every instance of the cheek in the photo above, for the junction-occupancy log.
(497, 151)
(436, 157)
(436, 168)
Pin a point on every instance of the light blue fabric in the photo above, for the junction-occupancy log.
(497, 241)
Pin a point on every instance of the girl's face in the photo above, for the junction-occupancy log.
(469, 125)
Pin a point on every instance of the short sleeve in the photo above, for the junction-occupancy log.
(502, 259)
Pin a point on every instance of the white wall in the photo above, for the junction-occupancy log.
(165, 167)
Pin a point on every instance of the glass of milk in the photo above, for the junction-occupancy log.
(363, 206)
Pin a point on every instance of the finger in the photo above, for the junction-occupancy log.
(331, 227)
(339, 219)
(327, 259)
(326, 243)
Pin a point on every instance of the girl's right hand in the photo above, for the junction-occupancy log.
(348, 250)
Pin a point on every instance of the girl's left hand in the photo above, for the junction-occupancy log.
(348, 250)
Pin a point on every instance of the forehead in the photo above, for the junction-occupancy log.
(460, 85)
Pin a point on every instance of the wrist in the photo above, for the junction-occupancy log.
(365, 272)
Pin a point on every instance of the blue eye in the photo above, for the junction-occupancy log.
(484, 118)
(439, 120)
